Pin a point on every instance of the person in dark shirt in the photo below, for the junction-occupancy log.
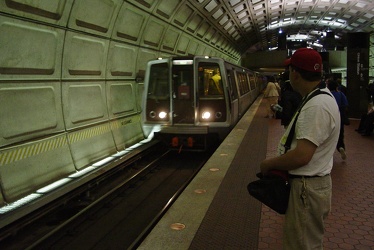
(341, 87)
(290, 101)
(342, 102)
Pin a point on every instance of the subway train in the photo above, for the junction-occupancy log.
(189, 102)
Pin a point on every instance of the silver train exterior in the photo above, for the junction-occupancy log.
(189, 100)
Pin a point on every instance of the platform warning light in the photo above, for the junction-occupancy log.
(190, 142)
(174, 141)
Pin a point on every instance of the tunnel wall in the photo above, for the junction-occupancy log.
(72, 79)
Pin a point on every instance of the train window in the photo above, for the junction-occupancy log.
(252, 80)
(209, 82)
(243, 83)
(158, 86)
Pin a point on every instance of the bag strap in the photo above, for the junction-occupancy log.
(290, 135)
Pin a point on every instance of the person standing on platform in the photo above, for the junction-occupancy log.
(289, 103)
(271, 94)
(310, 159)
(342, 102)
(341, 87)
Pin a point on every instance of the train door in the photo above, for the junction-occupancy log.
(243, 87)
(233, 93)
(183, 101)
(252, 84)
(211, 92)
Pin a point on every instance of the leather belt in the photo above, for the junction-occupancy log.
(305, 176)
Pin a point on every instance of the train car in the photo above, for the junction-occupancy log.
(190, 101)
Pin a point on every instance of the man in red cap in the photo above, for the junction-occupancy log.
(309, 159)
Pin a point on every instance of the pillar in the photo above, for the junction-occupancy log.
(357, 72)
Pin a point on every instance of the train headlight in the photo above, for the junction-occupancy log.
(162, 115)
(206, 115)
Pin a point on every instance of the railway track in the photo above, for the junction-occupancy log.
(115, 211)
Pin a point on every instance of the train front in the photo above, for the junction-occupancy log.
(184, 102)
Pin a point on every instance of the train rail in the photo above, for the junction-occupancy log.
(115, 210)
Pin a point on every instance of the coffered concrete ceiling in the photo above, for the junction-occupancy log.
(255, 24)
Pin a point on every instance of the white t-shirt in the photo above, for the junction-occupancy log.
(318, 122)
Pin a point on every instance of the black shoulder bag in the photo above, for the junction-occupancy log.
(273, 189)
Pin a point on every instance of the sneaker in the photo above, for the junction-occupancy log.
(342, 153)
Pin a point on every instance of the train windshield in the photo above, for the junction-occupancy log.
(158, 85)
(158, 93)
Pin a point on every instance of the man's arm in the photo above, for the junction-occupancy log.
(293, 159)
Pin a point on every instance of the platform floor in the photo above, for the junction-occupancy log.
(232, 219)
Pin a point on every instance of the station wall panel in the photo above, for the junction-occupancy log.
(182, 15)
(29, 110)
(91, 144)
(214, 38)
(127, 131)
(95, 16)
(130, 24)
(53, 12)
(208, 51)
(192, 47)
(121, 99)
(29, 50)
(183, 44)
(194, 23)
(25, 168)
(170, 39)
(147, 5)
(153, 33)
(144, 56)
(139, 96)
(84, 57)
(166, 8)
(209, 36)
(121, 61)
(125, 121)
(202, 30)
(201, 49)
(83, 103)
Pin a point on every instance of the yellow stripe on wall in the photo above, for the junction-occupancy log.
(23, 152)
(88, 133)
(17, 154)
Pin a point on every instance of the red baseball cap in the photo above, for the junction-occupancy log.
(306, 59)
